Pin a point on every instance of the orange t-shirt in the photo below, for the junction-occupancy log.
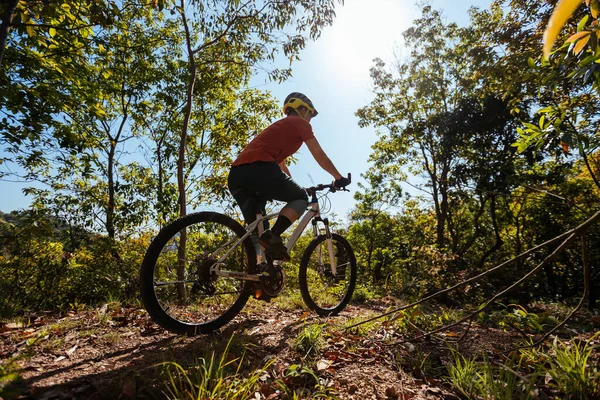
(277, 142)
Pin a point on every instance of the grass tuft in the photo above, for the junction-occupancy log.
(571, 369)
(218, 377)
(310, 341)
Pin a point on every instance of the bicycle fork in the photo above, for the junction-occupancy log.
(329, 243)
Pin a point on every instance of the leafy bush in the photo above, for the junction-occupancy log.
(47, 266)
(362, 294)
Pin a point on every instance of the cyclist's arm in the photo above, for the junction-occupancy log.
(284, 168)
(321, 158)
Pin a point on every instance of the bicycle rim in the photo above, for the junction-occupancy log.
(188, 296)
(322, 291)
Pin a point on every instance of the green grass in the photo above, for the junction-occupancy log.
(419, 363)
(9, 373)
(363, 329)
(310, 340)
(464, 376)
(571, 370)
(362, 294)
(482, 379)
(214, 377)
(290, 300)
(301, 382)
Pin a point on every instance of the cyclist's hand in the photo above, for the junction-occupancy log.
(341, 183)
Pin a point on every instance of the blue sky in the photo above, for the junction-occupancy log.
(334, 73)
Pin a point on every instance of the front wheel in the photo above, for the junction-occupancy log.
(323, 291)
(178, 283)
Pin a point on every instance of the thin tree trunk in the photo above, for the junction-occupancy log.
(181, 251)
(7, 18)
(499, 241)
(110, 210)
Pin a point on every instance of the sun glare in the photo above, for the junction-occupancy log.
(362, 31)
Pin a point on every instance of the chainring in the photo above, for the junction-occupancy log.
(272, 280)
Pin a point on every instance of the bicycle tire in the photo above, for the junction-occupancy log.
(317, 299)
(158, 262)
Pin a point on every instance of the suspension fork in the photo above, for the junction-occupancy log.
(329, 243)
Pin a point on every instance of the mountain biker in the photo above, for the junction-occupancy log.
(260, 171)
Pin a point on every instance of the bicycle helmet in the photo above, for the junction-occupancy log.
(295, 100)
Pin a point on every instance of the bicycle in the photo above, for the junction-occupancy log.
(201, 269)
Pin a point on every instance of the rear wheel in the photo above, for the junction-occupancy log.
(325, 293)
(179, 287)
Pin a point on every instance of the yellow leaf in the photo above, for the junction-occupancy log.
(580, 45)
(30, 30)
(578, 35)
(52, 31)
(595, 8)
(559, 17)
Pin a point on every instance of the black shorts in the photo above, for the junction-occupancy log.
(267, 181)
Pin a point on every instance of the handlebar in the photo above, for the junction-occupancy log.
(331, 186)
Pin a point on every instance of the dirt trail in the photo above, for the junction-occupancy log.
(110, 352)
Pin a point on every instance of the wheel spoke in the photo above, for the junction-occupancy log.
(184, 293)
(323, 291)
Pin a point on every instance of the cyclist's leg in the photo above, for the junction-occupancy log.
(268, 181)
(237, 184)
(283, 188)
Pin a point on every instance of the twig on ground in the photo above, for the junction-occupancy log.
(586, 287)
(461, 338)
(502, 293)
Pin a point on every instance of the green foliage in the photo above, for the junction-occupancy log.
(570, 366)
(9, 373)
(517, 317)
(218, 377)
(301, 382)
(419, 363)
(310, 340)
(483, 379)
(47, 265)
(463, 374)
(362, 294)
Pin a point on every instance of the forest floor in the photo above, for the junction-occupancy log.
(117, 352)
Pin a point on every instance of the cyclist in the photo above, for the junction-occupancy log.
(260, 171)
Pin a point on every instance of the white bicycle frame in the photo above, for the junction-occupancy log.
(313, 212)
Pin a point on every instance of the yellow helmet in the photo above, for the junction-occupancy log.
(295, 100)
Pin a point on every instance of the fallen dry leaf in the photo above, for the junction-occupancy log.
(71, 350)
(323, 364)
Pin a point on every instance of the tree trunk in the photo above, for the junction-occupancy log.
(499, 241)
(7, 17)
(110, 209)
(181, 251)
